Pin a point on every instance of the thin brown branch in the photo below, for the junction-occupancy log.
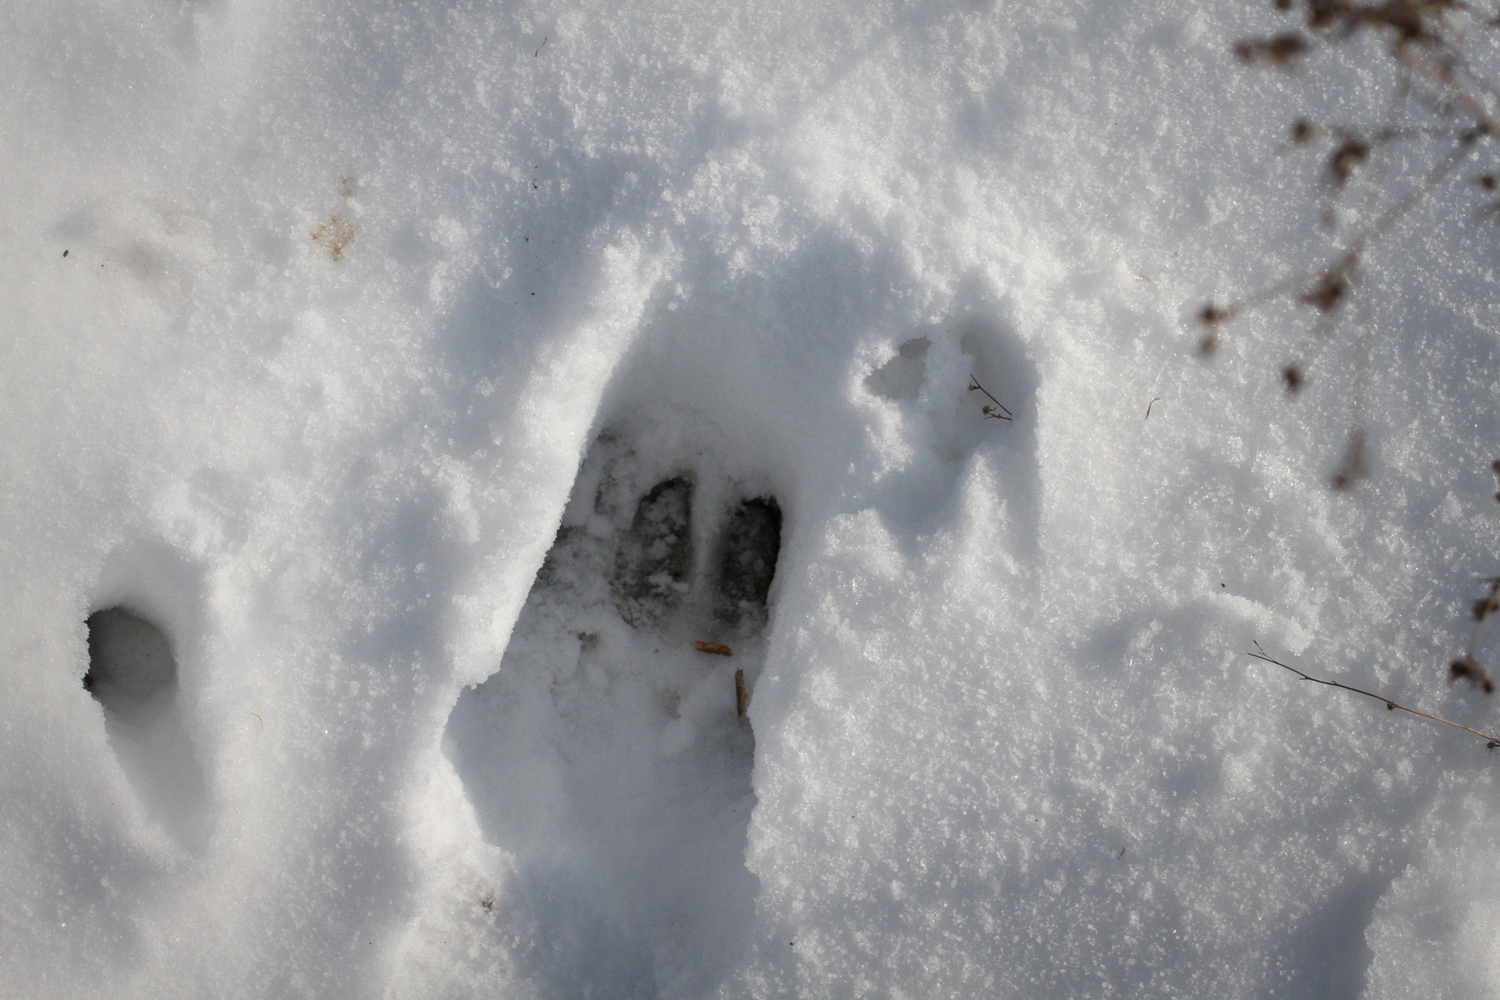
(996, 412)
(1420, 44)
(1381, 158)
(1390, 704)
(1392, 215)
(1442, 75)
(1333, 276)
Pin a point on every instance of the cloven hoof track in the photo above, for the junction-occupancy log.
(606, 754)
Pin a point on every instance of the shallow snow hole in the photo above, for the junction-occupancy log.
(133, 674)
(901, 377)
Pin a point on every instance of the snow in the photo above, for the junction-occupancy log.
(342, 342)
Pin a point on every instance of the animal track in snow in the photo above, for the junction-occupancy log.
(133, 675)
(606, 755)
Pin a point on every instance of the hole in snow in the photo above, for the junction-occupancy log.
(606, 755)
(747, 564)
(656, 555)
(901, 377)
(133, 674)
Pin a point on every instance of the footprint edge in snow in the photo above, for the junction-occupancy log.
(608, 755)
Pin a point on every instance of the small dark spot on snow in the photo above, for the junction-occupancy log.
(335, 236)
(65, 253)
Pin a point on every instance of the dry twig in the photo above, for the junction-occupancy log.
(996, 412)
(1426, 48)
(1390, 704)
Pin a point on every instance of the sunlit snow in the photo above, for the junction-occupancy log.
(394, 394)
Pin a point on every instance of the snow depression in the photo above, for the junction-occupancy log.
(552, 499)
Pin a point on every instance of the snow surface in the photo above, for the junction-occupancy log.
(323, 321)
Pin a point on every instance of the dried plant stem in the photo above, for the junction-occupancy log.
(1442, 75)
(1418, 191)
(1390, 705)
(996, 412)
(1346, 261)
